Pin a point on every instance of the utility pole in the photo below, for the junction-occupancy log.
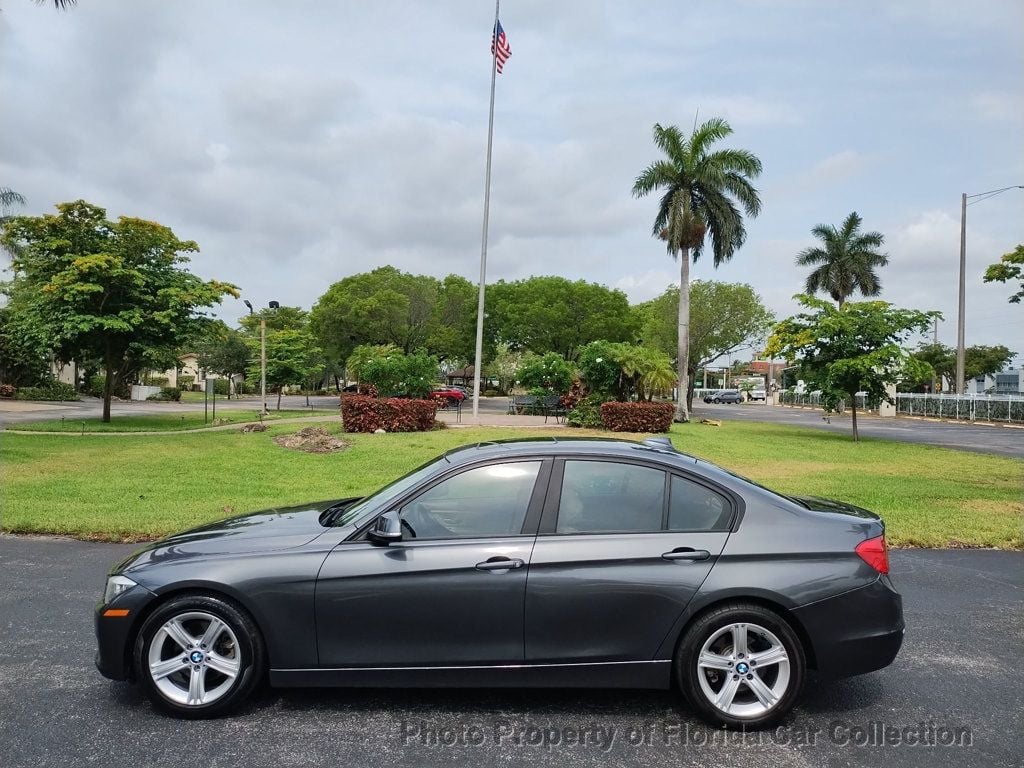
(263, 362)
(935, 343)
(960, 349)
(960, 352)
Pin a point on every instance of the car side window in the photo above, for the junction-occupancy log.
(479, 503)
(693, 507)
(605, 496)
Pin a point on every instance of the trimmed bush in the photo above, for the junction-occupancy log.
(637, 417)
(586, 413)
(185, 383)
(221, 387)
(392, 414)
(167, 393)
(51, 390)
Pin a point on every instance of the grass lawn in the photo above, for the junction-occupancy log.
(145, 486)
(169, 422)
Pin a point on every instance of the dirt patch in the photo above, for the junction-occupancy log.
(312, 440)
(254, 428)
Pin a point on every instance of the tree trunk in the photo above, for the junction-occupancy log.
(108, 384)
(853, 417)
(279, 389)
(683, 363)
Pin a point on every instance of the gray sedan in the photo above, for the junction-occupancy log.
(585, 563)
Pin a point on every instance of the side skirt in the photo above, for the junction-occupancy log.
(608, 674)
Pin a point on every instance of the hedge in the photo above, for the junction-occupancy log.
(167, 393)
(360, 413)
(51, 390)
(637, 417)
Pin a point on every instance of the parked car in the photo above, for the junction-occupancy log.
(727, 396)
(565, 563)
(710, 396)
(758, 393)
(452, 396)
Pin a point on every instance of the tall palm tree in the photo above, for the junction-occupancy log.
(846, 262)
(702, 187)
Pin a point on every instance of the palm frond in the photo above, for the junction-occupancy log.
(810, 256)
(660, 173)
(9, 197)
(708, 133)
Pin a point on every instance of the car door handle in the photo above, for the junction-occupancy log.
(500, 564)
(686, 553)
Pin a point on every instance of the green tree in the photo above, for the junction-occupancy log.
(115, 291)
(725, 318)
(504, 366)
(364, 354)
(979, 360)
(857, 347)
(293, 357)
(553, 314)
(701, 188)
(24, 357)
(387, 306)
(549, 372)
(398, 375)
(278, 319)
(1008, 269)
(224, 351)
(845, 262)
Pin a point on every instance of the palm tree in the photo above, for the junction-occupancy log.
(701, 190)
(846, 263)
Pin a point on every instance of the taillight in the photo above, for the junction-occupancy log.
(875, 553)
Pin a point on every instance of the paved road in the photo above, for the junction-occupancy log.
(1003, 441)
(960, 668)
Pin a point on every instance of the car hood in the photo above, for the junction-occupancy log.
(264, 531)
(819, 504)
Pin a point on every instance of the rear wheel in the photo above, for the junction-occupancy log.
(741, 665)
(199, 656)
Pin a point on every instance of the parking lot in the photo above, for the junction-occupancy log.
(958, 677)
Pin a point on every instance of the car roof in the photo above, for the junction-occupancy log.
(654, 447)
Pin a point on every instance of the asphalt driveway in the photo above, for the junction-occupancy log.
(958, 677)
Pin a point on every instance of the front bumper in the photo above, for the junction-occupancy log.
(116, 634)
(856, 632)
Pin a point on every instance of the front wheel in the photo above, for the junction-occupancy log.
(199, 656)
(741, 666)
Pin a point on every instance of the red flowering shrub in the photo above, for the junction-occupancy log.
(637, 417)
(576, 392)
(6, 390)
(392, 414)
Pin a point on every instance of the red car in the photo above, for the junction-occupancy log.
(451, 396)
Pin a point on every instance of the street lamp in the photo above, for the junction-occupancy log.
(263, 350)
(960, 349)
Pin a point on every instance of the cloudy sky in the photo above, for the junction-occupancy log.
(300, 142)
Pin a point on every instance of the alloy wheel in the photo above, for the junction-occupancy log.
(194, 659)
(743, 670)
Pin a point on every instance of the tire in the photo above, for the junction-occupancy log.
(706, 663)
(226, 654)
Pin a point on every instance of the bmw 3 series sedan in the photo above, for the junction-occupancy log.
(581, 562)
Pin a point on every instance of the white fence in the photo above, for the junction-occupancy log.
(813, 400)
(1002, 408)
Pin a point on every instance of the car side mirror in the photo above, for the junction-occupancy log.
(385, 529)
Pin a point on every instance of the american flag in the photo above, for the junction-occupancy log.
(500, 42)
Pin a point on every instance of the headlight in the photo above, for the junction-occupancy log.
(115, 586)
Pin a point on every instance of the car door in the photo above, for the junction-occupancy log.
(451, 591)
(623, 547)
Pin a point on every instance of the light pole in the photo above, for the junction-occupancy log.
(960, 348)
(263, 351)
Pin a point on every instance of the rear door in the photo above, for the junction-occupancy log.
(622, 549)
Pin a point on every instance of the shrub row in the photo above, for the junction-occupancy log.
(360, 413)
(637, 417)
(51, 390)
(167, 393)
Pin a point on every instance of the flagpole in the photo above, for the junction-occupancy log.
(478, 360)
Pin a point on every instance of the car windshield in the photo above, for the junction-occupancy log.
(390, 491)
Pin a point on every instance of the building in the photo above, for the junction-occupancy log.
(1009, 382)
